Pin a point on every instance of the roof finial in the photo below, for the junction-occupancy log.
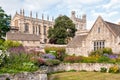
(20, 12)
(31, 14)
(36, 15)
(47, 17)
(23, 12)
(16, 12)
(42, 16)
(52, 18)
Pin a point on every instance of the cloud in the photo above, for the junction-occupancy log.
(112, 4)
(10, 6)
(104, 14)
(35, 5)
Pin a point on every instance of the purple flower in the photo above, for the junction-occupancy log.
(113, 56)
(18, 50)
(49, 56)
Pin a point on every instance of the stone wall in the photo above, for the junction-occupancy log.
(42, 75)
(79, 67)
(39, 75)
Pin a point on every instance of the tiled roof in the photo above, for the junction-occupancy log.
(114, 27)
(22, 37)
(77, 41)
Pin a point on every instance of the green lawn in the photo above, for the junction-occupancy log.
(84, 76)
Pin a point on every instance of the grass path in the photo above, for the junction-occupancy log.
(84, 76)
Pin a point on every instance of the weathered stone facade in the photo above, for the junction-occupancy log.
(30, 25)
(102, 34)
(39, 75)
(37, 27)
(80, 23)
(80, 67)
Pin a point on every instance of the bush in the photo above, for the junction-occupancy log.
(51, 62)
(17, 50)
(73, 59)
(48, 49)
(58, 52)
(91, 59)
(103, 69)
(103, 59)
(101, 52)
(107, 50)
(114, 69)
(3, 57)
(8, 44)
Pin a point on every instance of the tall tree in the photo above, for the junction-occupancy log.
(4, 22)
(63, 29)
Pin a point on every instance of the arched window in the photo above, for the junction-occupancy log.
(39, 27)
(16, 23)
(44, 30)
(26, 27)
(33, 30)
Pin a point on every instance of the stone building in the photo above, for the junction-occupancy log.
(102, 34)
(80, 23)
(29, 30)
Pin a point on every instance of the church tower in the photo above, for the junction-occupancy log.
(80, 23)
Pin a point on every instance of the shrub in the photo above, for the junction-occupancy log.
(59, 52)
(72, 70)
(90, 59)
(41, 61)
(1, 41)
(51, 62)
(8, 44)
(103, 69)
(103, 59)
(17, 50)
(107, 50)
(48, 49)
(3, 57)
(101, 52)
(17, 63)
(29, 66)
(73, 59)
(114, 69)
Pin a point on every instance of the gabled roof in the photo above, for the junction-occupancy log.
(17, 36)
(114, 27)
(77, 41)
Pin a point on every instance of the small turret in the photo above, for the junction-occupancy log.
(84, 17)
(73, 14)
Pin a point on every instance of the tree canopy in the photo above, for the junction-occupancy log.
(4, 22)
(63, 30)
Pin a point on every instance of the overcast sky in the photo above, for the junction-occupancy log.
(108, 9)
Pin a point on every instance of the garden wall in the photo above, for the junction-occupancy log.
(42, 75)
(39, 75)
(79, 67)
